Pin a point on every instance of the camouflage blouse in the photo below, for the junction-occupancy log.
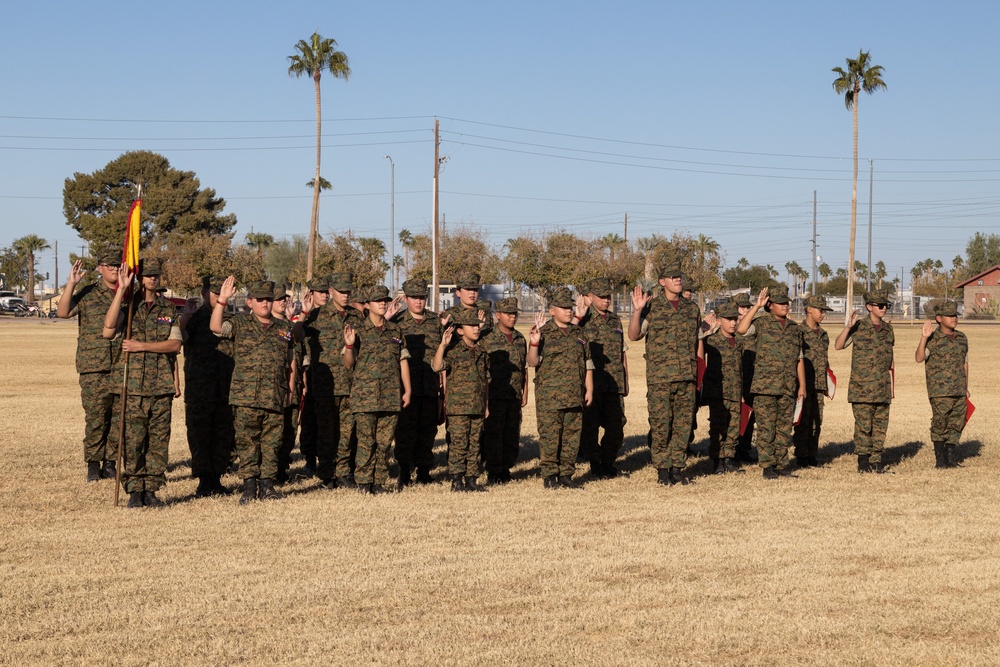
(778, 350)
(377, 385)
(606, 338)
(944, 364)
(467, 378)
(261, 362)
(507, 363)
(723, 368)
(871, 362)
(564, 358)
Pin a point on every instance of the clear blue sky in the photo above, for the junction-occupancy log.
(715, 118)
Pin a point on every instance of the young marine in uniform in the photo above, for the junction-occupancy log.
(670, 324)
(316, 297)
(279, 313)
(508, 393)
(870, 389)
(418, 422)
(467, 292)
(744, 448)
(944, 351)
(564, 386)
(605, 337)
(722, 389)
(208, 370)
(779, 377)
(95, 358)
(815, 355)
(263, 382)
(377, 353)
(154, 340)
(465, 364)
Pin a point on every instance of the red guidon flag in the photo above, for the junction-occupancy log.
(969, 409)
(831, 383)
(130, 254)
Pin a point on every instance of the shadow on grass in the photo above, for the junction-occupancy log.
(634, 454)
(967, 450)
(832, 451)
(895, 455)
(181, 463)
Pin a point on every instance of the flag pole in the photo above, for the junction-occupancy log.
(128, 334)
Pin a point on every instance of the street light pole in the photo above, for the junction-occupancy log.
(392, 223)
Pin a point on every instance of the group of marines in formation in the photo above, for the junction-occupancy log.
(359, 371)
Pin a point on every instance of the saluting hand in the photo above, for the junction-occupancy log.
(77, 272)
(762, 298)
(535, 335)
(854, 318)
(581, 306)
(640, 298)
(228, 289)
(124, 277)
(446, 335)
(349, 335)
(394, 307)
(928, 328)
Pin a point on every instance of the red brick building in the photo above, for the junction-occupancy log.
(981, 290)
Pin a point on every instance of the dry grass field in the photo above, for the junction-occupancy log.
(831, 568)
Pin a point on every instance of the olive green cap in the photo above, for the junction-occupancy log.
(376, 293)
(742, 300)
(150, 267)
(280, 291)
(110, 258)
(465, 317)
(342, 282)
(484, 305)
(508, 305)
(263, 289)
(672, 270)
(778, 295)
(599, 287)
(319, 284)
(468, 281)
(687, 284)
(212, 283)
(415, 287)
(817, 301)
(947, 308)
(561, 297)
(728, 310)
(877, 296)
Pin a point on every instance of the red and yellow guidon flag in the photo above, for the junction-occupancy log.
(130, 255)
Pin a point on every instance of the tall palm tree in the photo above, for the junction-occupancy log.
(311, 58)
(27, 246)
(824, 271)
(647, 245)
(407, 241)
(260, 241)
(860, 75)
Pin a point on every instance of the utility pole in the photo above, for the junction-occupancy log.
(434, 229)
(392, 223)
(871, 173)
(626, 226)
(56, 288)
(814, 244)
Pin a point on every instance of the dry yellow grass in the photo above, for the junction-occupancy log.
(829, 568)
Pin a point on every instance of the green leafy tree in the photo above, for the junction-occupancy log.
(461, 248)
(13, 268)
(860, 75)
(96, 205)
(27, 247)
(311, 58)
(189, 256)
(752, 276)
(981, 252)
(286, 260)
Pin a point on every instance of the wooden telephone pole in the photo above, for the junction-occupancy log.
(435, 278)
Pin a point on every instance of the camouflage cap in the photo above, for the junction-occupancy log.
(728, 310)
(947, 308)
(742, 300)
(484, 305)
(508, 305)
(212, 283)
(599, 287)
(468, 281)
(110, 258)
(319, 284)
(778, 295)
(280, 291)
(817, 301)
(672, 270)
(560, 297)
(150, 267)
(415, 287)
(376, 293)
(465, 317)
(688, 284)
(877, 296)
(263, 289)
(342, 282)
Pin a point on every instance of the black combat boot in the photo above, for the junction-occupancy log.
(149, 499)
(217, 488)
(663, 477)
(309, 470)
(550, 482)
(610, 471)
(784, 472)
(458, 484)
(717, 467)
(93, 471)
(267, 490)
(949, 456)
(677, 477)
(344, 483)
(204, 487)
(471, 485)
(729, 465)
(404, 477)
(770, 473)
(597, 470)
(939, 455)
(879, 468)
(108, 470)
(135, 499)
(566, 481)
(424, 475)
(249, 491)
(863, 463)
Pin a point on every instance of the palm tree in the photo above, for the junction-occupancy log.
(743, 263)
(648, 245)
(397, 263)
(260, 241)
(323, 183)
(27, 246)
(824, 271)
(407, 241)
(311, 58)
(859, 75)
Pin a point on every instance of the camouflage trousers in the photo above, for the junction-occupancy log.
(289, 427)
(333, 420)
(210, 435)
(947, 419)
(101, 412)
(774, 429)
(463, 452)
(375, 433)
(147, 440)
(415, 432)
(558, 440)
(723, 428)
(806, 433)
(347, 447)
(607, 412)
(258, 439)
(502, 435)
(870, 423)
(671, 413)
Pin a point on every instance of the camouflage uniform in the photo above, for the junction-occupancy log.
(744, 447)
(471, 281)
(100, 390)
(671, 375)
(309, 435)
(466, 369)
(606, 340)
(418, 422)
(775, 381)
(815, 356)
(376, 392)
(870, 389)
(564, 359)
(208, 369)
(722, 390)
(259, 391)
(944, 368)
(508, 354)
(150, 393)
